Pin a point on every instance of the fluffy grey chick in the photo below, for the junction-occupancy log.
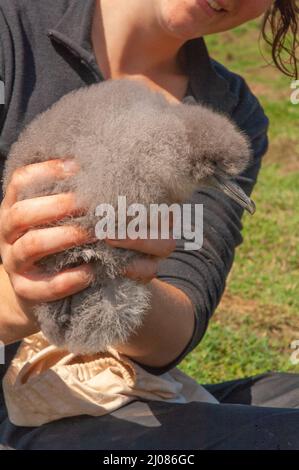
(129, 141)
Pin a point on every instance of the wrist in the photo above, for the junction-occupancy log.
(16, 315)
(167, 328)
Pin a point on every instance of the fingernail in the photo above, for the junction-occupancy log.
(70, 166)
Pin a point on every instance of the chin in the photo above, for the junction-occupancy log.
(181, 18)
(185, 20)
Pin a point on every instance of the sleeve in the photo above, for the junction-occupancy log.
(6, 81)
(202, 274)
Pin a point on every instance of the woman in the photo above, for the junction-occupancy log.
(50, 49)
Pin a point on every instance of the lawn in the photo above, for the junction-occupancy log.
(258, 317)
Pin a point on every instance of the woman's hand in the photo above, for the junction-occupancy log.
(22, 245)
(144, 270)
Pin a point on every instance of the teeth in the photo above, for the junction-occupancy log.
(214, 4)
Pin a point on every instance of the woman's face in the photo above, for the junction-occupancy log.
(193, 18)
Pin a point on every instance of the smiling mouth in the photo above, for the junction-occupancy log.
(215, 5)
(212, 8)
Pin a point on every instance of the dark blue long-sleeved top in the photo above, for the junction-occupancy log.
(45, 52)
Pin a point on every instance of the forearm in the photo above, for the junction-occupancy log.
(167, 329)
(14, 323)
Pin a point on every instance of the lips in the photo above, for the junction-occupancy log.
(208, 9)
(215, 5)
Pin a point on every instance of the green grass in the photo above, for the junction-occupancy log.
(226, 354)
(266, 266)
(258, 317)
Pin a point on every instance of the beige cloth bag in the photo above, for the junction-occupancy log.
(44, 383)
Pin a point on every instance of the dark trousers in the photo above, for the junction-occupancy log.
(260, 412)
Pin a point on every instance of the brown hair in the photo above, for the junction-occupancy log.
(282, 18)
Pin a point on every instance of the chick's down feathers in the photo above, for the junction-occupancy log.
(131, 141)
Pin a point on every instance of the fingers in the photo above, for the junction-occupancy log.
(21, 246)
(145, 269)
(29, 213)
(40, 287)
(36, 244)
(44, 171)
(142, 270)
(160, 248)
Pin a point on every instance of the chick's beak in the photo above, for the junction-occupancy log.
(225, 184)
